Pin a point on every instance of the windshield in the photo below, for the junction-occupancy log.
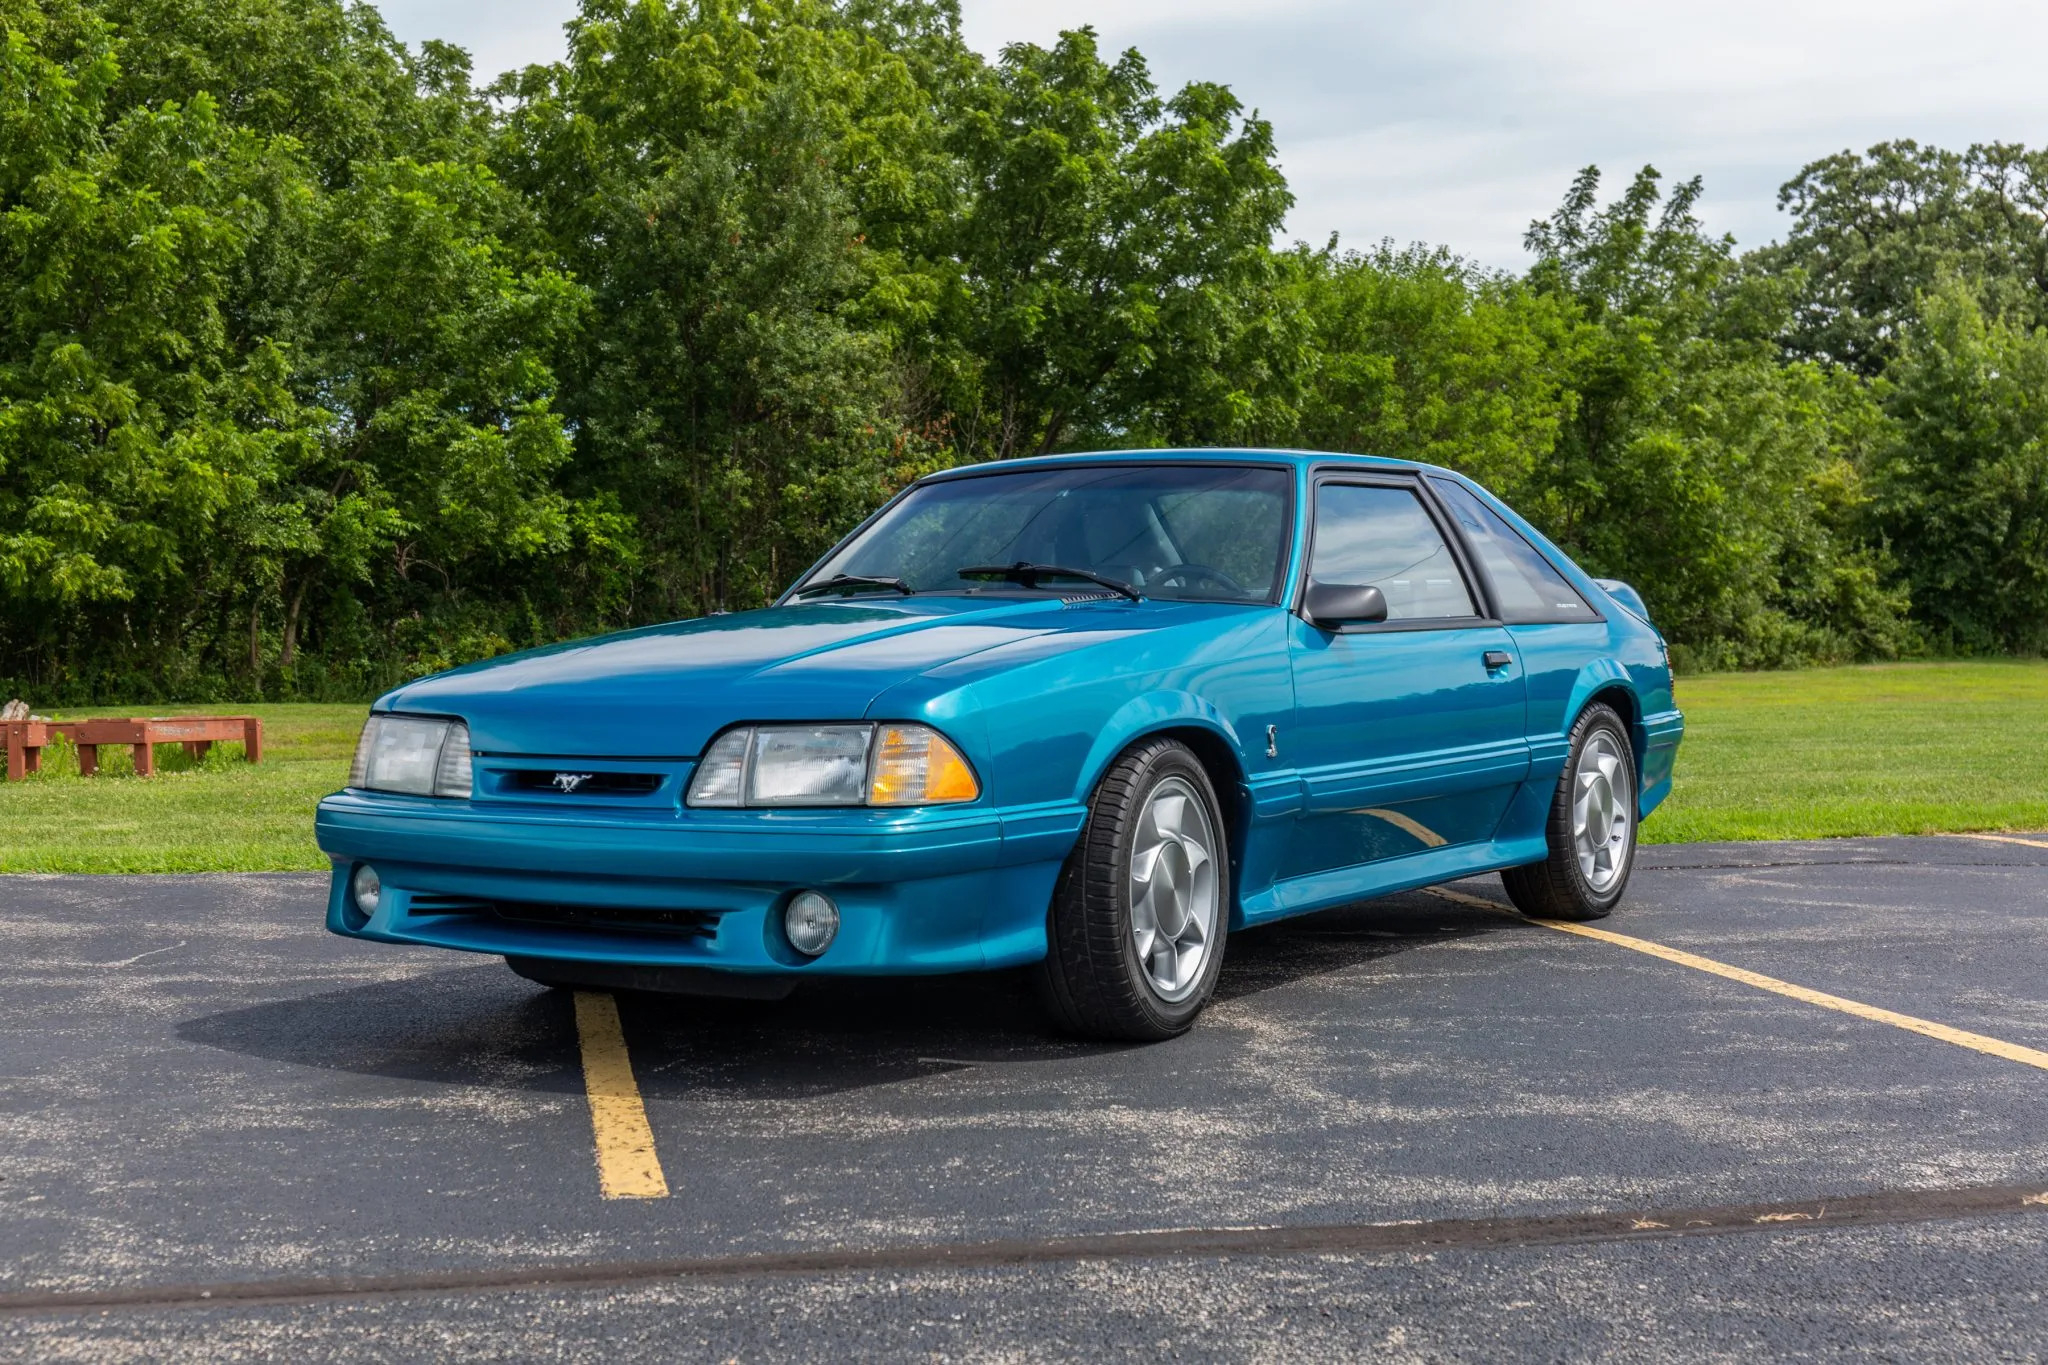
(1207, 533)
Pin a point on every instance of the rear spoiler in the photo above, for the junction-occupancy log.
(1627, 596)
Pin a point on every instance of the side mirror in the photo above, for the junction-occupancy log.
(1330, 606)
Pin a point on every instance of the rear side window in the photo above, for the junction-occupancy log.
(1527, 588)
(1383, 537)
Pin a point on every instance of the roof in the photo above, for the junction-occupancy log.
(1221, 455)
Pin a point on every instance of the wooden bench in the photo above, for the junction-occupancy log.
(26, 739)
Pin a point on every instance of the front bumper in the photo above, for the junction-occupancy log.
(941, 890)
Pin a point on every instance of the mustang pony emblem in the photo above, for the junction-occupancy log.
(567, 783)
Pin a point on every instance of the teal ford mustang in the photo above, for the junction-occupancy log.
(1088, 715)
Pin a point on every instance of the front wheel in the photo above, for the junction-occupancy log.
(1141, 910)
(1591, 830)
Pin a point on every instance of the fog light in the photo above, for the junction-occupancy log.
(812, 922)
(367, 887)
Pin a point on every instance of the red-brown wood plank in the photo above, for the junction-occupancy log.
(26, 739)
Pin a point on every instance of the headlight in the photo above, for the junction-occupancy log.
(412, 754)
(832, 765)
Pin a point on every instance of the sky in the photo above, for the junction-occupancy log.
(1456, 122)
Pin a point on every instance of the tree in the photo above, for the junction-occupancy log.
(128, 423)
(326, 74)
(1872, 234)
(238, 384)
(320, 367)
(1116, 277)
(425, 349)
(1963, 488)
(700, 168)
(1696, 465)
(1417, 354)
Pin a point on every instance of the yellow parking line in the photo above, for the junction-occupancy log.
(627, 1166)
(1996, 1047)
(2007, 839)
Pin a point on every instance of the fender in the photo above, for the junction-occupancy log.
(1147, 714)
(1047, 830)
(1602, 675)
(1606, 675)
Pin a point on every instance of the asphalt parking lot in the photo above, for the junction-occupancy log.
(1418, 1126)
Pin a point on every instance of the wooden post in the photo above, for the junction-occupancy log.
(88, 759)
(197, 749)
(17, 752)
(252, 740)
(145, 757)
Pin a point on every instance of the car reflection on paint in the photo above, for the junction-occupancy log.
(1085, 715)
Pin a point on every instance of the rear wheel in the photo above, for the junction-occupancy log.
(1142, 908)
(1591, 830)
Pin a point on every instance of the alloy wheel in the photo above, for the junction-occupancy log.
(1174, 889)
(1603, 810)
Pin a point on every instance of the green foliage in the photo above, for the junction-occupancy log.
(240, 387)
(1872, 234)
(1964, 481)
(1727, 484)
(740, 385)
(320, 367)
(1114, 267)
(1418, 354)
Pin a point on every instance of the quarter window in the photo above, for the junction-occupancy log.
(1527, 587)
(1384, 538)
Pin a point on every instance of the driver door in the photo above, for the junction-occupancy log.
(1408, 733)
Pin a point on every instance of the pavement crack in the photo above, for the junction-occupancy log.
(1326, 1239)
(154, 952)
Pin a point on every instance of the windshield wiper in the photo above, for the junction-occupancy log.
(1028, 575)
(853, 582)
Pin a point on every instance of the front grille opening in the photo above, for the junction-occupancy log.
(575, 782)
(427, 903)
(677, 923)
(689, 924)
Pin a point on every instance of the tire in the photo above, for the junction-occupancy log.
(1585, 875)
(1152, 868)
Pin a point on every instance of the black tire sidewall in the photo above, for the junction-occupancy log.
(1154, 765)
(1564, 849)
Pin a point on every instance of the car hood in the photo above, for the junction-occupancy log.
(664, 691)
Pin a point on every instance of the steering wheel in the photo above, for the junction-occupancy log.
(1186, 571)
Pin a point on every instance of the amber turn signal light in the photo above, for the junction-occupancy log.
(917, 766)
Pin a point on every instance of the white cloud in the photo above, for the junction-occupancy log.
(500, 35)
(1457, 121)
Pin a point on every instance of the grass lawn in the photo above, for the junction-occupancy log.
(1886, 749)
(1878, 749)
(222, 815)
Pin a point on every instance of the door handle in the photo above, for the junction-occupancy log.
(1497, 659)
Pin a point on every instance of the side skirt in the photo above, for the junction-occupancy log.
(1344, 885)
